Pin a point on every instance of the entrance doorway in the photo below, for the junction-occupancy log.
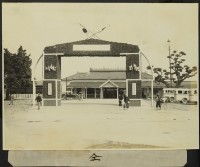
(110, 93)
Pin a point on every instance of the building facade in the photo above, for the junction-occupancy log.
(105, 84)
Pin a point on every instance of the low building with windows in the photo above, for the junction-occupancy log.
(105, 83)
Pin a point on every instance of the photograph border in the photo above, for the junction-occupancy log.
(192, 155)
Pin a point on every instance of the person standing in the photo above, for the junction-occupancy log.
(11, 99)
(120, 99)
(158, 101)
(126, 102)
(39, 100)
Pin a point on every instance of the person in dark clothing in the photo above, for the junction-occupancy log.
(121, 96)
(38, 99)
(126, 101)
(158, 101)
(120, 99)
(11, 99)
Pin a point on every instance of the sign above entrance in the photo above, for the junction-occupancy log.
(91, 47)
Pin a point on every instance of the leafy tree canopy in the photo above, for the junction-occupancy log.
(179, 70)
(17, 71)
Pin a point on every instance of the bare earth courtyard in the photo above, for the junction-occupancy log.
(99, 124)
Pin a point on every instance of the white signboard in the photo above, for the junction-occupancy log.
(133, 88)
(49, 89)
(91, 47)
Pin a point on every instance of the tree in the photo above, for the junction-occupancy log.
(179, 71)
(17, 71)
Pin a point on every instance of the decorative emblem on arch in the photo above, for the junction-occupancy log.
(133, 67)
(50, 68)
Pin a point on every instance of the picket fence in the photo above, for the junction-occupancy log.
(23, 96)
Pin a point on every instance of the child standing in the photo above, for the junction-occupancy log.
(158, 101)
(38, 99)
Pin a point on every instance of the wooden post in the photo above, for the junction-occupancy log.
(117, 92)
(34, 92)
(151, 93)
(101, 93)
(95, 94)
(86, 93)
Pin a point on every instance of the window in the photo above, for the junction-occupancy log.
(185, 92)
(179, 91)
(195, 91)
(133, 88)
(49, 89)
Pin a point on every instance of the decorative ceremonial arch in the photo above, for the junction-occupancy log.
(93, 48)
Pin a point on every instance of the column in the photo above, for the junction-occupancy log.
(117, 93)
(152, 93)
(34, 92)
(101, 93)
(86, 93)
(133, 79)
(95, 93)
(52, 80)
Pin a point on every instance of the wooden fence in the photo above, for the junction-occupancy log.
(23, 96)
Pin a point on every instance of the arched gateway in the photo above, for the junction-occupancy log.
(93, 48)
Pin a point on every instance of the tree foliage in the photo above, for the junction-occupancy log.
(179, 71)
(17, 71)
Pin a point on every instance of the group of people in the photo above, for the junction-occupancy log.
(123, 98)
(38, 99)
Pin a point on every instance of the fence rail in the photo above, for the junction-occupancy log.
(23, 96)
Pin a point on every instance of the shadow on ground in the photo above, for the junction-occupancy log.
(121, 145)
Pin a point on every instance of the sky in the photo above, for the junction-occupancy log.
(37, 25)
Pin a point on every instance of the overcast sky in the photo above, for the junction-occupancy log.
(149, 26)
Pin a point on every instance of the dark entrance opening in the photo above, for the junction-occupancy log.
(90, 93)
(110, 93)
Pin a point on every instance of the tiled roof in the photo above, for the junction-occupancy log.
(119, 84)
(85, 84)
(93, 84)
(112, 75)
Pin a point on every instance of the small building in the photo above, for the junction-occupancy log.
(105, 83)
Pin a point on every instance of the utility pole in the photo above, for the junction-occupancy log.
(170, 70)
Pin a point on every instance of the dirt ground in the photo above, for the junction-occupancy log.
(99, 124)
